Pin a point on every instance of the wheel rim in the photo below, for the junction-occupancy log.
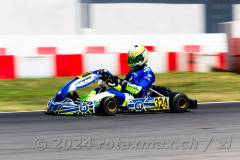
(182, 103)
(112, 106)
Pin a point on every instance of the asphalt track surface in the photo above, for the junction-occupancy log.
(210, 132)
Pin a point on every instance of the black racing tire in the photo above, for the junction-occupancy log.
(178, 102)
(109, 106)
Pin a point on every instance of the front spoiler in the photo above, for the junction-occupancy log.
(67, 107)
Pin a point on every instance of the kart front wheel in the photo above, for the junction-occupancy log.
(178, 102)
(109, 106)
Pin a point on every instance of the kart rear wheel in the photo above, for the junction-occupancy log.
(109, 106)
(178, 102)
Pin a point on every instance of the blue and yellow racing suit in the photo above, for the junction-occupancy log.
(139, 82)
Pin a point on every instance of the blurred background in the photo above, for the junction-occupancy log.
(52, 38)
(101, 17)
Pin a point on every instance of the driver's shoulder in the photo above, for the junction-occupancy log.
(147, 70)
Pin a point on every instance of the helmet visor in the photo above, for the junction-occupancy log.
(133, 60)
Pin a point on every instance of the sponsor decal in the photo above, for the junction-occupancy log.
(133, 86)
(86, 81)
(146, 69)
(88, 74)
(84, 108)
(148, 77)
(138, 105)
(135, 74)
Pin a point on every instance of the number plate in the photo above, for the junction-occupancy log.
(161, 103)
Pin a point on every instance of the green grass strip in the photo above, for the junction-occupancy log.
(34, 93)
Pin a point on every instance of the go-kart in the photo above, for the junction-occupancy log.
(100, 101)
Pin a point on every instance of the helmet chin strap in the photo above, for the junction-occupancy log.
(137, 68)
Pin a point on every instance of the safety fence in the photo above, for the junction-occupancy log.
(169, 53)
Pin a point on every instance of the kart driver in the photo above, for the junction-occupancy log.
(138, 81)
(136, 84)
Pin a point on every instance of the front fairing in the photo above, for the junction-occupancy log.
(78, 82)
(66, 106)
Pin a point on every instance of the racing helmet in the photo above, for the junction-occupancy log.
(137, 56)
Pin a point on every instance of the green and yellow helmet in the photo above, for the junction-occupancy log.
(137, 56)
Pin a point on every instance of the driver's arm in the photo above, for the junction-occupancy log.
(126, 86)
(146, 80)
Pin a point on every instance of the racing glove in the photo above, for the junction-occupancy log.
(118, 84)
(104, 74)
(115, 82)
(126, 86)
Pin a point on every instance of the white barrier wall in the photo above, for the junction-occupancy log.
(35, 66)
(142, 18)
(64, 17)
(158, 62)
(38, 17)
(101, 61)
(232, 29)
(48, 56)
(206, 63)
(236, 12)
(75, 44)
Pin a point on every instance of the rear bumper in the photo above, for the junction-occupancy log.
(193, 104)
